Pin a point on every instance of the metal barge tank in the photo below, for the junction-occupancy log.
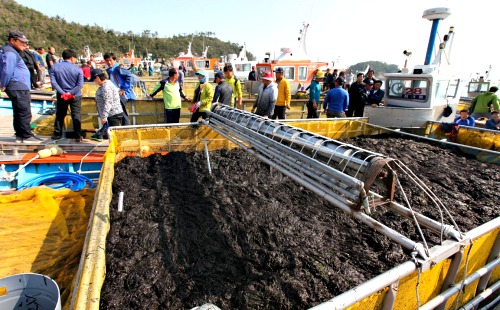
(465, 262)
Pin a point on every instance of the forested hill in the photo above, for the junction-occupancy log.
(44, 31)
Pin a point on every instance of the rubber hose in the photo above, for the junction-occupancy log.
(59, 179)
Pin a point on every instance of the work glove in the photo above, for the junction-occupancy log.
(67, 96)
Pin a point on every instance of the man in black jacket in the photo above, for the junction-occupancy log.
(356, 103)
(328, 80)
(376, 94)
(30, 62)
(223, 91)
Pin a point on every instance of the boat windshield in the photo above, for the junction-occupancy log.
(411, 89)
(243, 67)
(202, 64)
(478, 87)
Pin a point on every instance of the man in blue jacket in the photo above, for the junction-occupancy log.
(464, 119)
(15, 81)
(67, 79)
(124, 80)
(336, 100)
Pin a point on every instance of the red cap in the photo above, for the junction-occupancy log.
(267, 75)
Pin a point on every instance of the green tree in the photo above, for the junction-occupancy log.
(42, 30)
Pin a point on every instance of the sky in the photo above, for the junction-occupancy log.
(346, 32)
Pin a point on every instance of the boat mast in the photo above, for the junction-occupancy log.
(435, 15)
(302, 38)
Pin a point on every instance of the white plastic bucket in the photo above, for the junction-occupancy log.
(28, 291)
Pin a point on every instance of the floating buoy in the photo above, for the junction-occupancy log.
(44, 153)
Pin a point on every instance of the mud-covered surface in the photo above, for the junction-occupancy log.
(249, 237)
(469, 189)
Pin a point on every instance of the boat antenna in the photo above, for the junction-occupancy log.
(302, 38)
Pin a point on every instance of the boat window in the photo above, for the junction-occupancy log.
(289, 73)
(200, 64)
(246, 67)
(453, 88)
(189, 64)
(408, 89)
(478, 87)
(303, 73)
(441, 89)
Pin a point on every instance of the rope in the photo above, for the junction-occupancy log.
(59, 179)
(419, 268)
(433, 196)
(413, 216)
(83, 158)
(429, 193)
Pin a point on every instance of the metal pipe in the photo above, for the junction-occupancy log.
(208, 156)
(492, 304)
(303, 138)
(444, 296)
(318, 172)
(120, 202)
(432, 38)
(286, 149)
(482, 230)
(368, 288)
(354, 194)
(425, 221)
(330, 184)
(343, 177)
(495, 250)
(88, 172)
(452, 274)
(474, 303)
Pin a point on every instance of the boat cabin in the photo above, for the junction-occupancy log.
(421, 89)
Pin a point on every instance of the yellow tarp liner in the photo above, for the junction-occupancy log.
(42, 230)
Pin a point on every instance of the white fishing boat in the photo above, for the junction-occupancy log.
(299, 68)
(425, 93)
(241, 65)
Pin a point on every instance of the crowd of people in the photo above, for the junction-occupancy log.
(24, 70)
(483, 106)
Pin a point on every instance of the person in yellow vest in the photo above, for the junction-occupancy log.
(172, 94)
(235, 84)
(284, 95)
(203, 97)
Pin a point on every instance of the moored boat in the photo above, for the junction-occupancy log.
(193, 63)
(425, 94)
(298, 67)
